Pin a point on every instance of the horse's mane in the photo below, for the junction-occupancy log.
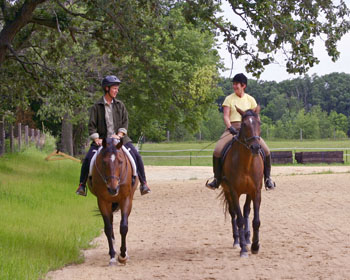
(110, 147)
(249, 113)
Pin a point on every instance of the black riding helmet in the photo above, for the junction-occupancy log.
(240, 78)
(109, 81)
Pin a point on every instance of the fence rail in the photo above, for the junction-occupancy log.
(193, 153)
(17, 137)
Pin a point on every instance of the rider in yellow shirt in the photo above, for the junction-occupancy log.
(232, 121)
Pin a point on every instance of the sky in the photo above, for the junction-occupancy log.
(277, 72)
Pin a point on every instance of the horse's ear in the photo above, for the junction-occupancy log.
(257, 109)
(239, 111)
(104, 142)
(120, 144)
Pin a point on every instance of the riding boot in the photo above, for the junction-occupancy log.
(269, 184)
(144, 189)
(217, 167)
(81, 189)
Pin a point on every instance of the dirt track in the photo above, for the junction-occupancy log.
(180, 232)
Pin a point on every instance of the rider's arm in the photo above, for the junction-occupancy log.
(92, 126)
(123, 130)
(227, 112)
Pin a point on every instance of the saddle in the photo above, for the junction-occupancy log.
(228, 146)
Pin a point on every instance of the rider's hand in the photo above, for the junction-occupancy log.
(98, 141)
(116, 136)
(232, 130)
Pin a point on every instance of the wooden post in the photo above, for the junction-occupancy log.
(38, 138)
(200, 135)
(2, 136)
(26, 135)
(301, 134)
(168, 135)
(12, 144)
(19, 134)
(32, 134)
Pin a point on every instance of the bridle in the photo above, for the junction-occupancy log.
(246, 141)
(106, 178)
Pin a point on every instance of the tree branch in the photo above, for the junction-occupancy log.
(10, 29)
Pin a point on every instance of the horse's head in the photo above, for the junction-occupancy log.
(112, 163)
(250, 129)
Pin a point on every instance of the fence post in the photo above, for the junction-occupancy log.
(2, 136)
(19, 134)
(301, 134)
(190, 158)
(38, 138)
(26, 135)
(12, 146)
(168, 135)
(32, 134)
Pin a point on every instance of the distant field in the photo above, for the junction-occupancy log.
(43, 223)
(191, 158)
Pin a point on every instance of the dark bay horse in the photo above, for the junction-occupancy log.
(243, 174)
(113, 186)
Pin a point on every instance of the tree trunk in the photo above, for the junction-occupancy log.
(67, 135)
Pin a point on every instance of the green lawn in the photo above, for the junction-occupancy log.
(191, 158)
(43, 224)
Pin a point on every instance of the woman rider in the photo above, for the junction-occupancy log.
(232, 121)
(109, 118)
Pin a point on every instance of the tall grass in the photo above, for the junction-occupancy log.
(43, 224)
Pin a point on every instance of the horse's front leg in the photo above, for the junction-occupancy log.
(246, 212)
(106, 212)
(256, 223)
(125, 212)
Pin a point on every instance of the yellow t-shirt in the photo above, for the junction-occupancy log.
(244, 103)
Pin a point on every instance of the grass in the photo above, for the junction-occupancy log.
(207, 161)
(43, 224)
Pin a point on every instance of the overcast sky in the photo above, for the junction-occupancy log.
(277, 72)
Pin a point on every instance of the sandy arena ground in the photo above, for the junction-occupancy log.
(179, 231)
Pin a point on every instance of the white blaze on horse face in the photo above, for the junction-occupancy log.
(113, 157)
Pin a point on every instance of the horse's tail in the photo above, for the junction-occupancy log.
(223, 197)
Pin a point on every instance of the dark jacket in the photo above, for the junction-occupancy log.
(97, 121)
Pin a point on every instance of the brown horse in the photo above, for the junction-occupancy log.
(112, 184)
(243, 174)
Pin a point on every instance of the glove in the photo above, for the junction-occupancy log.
(232, 130)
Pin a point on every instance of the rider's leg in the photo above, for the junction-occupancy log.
(140, 168)
(84, 173)
(217, 165)
(269, 184)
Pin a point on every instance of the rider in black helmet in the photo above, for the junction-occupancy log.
(109, 118)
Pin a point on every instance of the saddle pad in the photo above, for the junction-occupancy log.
(126, 151)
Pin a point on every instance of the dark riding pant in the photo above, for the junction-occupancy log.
(134, 153)
(138, 160)
(84, 173)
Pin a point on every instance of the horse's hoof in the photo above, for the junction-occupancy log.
(235, 245)
(255, 249)
(123, 260)
(244, 254)
(112, 262)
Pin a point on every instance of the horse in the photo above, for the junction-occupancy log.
(114, 187)
(243, 174)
